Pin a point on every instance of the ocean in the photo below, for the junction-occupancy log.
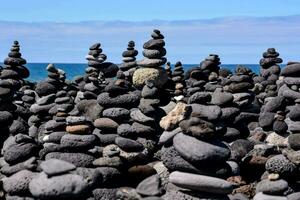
(38, 70)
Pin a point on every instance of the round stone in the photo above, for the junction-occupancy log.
(157, 76)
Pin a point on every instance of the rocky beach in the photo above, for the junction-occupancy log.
(143, 130)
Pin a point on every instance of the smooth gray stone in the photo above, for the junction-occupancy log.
(200, 183)
(206, 112)
(197, 151)
(138, 116)
(261, 196)
(150, 186)
(53, 167)
(277, 187)
(167, 136)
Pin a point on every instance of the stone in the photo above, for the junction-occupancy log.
(291, 70)
(158, 76)
(261, 196)
(19, 152)
(239, 148)
(54, 167)
(210, 113)
(200, 152)
(294, 141)
(68, 186)
(276, 139)
(18, 183)
(167, 136)
(150, 186)
(200, 183)
(74, 120)
(77, 159)
(44, 88)
(172, 119)
(77, 142)
(89, 108)
(106, 124)
(140, 117)
(128, 145)
(78, 129)
(105, 193)
(114, 161)
(122, 100)
(117, 114)
(277, 187)
(281, 165)
(294, 196)
(221, 98)
(198, 128)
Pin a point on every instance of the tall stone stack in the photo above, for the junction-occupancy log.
(95, 59)
(178, 79)
(129, 61)
(151, 66)
(195, 155)
(290, 92)
(168, 69)
(210, 69)
(11, 80)
(269, 74)
(44, 107)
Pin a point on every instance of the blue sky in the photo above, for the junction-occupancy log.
(239, 31)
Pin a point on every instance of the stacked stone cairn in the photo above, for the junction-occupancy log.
(269, 74)
(11, 80)
(129, 61)
(151, 66)
(194, 153)
(178, 79)
(95, 59)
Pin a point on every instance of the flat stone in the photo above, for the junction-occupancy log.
(261, 196)
(106, 124)
(78, 129)
(128, 144)
(122, 100)
(150, 186)
(114, 161)
(76, 142)
(206, 112)
(197, 151)
(116, 113)
(138, 116)
(277, 187)
(54, 167)
(200, 183)
(77, 159)
(167, 136)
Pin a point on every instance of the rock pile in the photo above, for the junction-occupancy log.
(178, 79)
(205, 134)
(129, 65)
(269, 74)
(151, 66)
(11, 80)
